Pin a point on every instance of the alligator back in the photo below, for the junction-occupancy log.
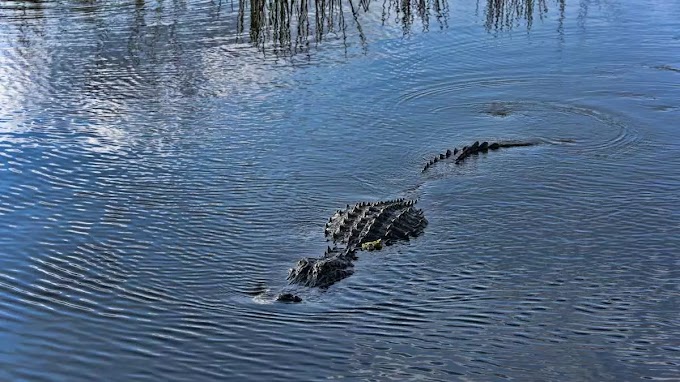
(363, 223)
(387, 221)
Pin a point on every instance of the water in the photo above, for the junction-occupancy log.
(163, 164)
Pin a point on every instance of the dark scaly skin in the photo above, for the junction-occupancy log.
(388, 221)
(335, 265)
(288, 297)
(461, 155)
(364, 223)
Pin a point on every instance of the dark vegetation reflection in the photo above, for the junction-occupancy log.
(507, 14)
(284, 27)
(293, 25)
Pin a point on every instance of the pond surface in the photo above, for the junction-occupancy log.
(163, 165)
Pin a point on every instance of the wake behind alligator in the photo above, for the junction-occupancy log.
(369, 226)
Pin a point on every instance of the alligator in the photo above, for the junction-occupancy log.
(367, 226)
(467, 151)
(363, 226)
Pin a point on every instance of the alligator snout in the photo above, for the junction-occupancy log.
(288, 297)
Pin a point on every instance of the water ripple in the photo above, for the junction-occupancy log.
(160, 172)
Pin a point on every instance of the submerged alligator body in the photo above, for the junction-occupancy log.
(368, 226)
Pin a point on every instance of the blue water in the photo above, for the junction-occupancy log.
(162, 166)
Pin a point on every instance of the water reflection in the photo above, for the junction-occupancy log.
(118, 53)
(283, 27)
(293, 26)
(506, 14)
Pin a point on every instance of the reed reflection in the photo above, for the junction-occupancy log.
(506, 14)
(292, 26)
(284, 26)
